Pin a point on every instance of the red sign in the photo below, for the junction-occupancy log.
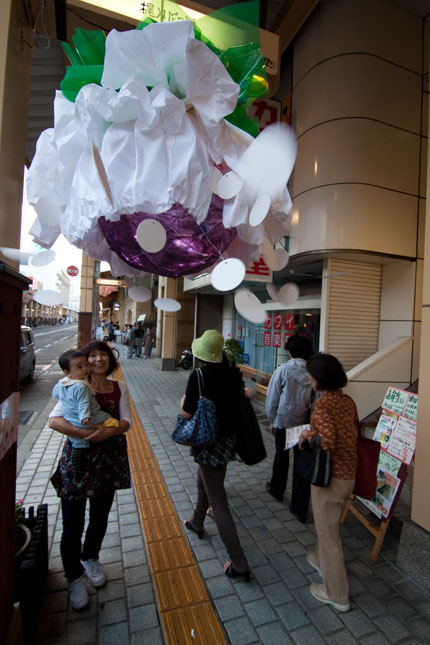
(267, 337)
(72, 270)
(268, 322)
(277, 336)
(278, 321)
(259, 271)
(289, 322)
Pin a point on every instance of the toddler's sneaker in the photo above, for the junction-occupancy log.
(94, 572)
(78, 593)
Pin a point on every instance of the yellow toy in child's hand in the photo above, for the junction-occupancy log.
(111, 423)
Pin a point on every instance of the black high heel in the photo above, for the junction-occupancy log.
(231, 572)
(200, 533)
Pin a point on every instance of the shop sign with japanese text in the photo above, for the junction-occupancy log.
(258, 272)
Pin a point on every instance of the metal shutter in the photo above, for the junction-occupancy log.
(353, 310)
(209, 313)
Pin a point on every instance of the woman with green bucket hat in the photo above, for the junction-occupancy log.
(222, 384)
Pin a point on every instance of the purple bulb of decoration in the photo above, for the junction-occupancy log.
(190, 247)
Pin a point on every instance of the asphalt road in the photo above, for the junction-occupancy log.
(35, 398)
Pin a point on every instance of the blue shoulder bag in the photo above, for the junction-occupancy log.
(201, 429)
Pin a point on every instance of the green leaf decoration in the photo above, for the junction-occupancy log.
(78, 76)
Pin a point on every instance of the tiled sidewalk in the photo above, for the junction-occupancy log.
(275, 607)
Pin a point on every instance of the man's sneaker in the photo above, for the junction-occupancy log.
(94, 572)
(318, 592)
(312, 558)
(78, 593)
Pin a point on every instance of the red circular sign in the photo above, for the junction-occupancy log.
(72, 270)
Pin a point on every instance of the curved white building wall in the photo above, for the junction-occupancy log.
(357, 111)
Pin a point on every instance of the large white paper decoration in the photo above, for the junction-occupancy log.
(48, 211)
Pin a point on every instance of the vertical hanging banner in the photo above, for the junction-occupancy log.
(289, 322)
(277, 337)
(396, 431)
(267, 338)
(277, 321)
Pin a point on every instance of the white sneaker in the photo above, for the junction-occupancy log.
(318, 592)
(94, 572)
(311, 557)
(78, 593)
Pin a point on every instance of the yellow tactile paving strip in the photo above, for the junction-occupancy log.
(186, 610)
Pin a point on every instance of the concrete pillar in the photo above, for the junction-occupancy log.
(15, 70)
(168, 339)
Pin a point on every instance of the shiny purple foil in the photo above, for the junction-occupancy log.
(190, 247)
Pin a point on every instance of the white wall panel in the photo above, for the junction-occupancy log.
(378, 27)
(398, 291)
(391, 330)
(357, 150)
(354, 217)
(357, 85)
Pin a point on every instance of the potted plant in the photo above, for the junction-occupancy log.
(233, 350)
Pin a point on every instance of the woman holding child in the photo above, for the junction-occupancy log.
(104, 470)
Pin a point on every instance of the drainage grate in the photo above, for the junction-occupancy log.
(25, 416)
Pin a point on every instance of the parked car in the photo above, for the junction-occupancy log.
(27, 360)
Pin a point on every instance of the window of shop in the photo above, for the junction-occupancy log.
(264, 344)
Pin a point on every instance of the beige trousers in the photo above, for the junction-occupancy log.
(327, 506)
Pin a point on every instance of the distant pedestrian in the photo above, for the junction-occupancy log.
(129, 337)
(287, 405)
(138, 337)
(148, 342)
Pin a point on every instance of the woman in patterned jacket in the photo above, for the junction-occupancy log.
(335, 420)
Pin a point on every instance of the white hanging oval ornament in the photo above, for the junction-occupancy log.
(43, 258)
(289, 293)
(49, 297)
(272, 291)
(151, 236)
(216, 176)
(139, 294)
(15, 254)
(229, 185)
(167, 304)
(228, 274)
(259, 210)
(249, 306)
(48, 211)
(282, 258)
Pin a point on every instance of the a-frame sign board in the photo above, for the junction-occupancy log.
(396, 430)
